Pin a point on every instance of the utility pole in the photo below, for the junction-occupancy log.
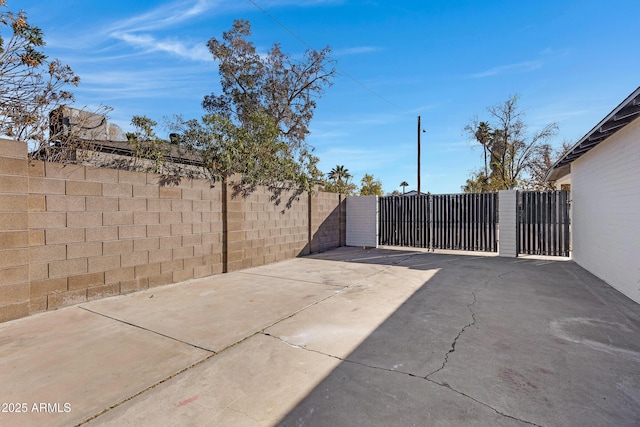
(418, 155)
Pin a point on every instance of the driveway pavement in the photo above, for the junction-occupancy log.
(349, 337)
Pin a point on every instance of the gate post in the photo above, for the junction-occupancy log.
(508, 223)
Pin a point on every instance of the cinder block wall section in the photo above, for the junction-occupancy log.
(327, 218)
(261, 231)
(102, 232)
(70, 233)
(14, 231)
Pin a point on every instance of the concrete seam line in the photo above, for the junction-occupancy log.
(213, 353)
(445, 385)
(272, 276)
(147, 329)
(379, 368)
(193, 365)
(138, 393)
(181, 371)
(409, 374)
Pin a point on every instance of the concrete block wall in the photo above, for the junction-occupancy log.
(362, 221)
(73, 233)
(327, 213)
(14, 231)
(101, 232)
(260, 231)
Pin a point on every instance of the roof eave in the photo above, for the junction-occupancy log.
(622, 115)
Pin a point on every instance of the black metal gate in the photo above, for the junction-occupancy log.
(543, 223)
(446, 221)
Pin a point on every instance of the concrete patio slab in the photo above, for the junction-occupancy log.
(347, 337)
(340, 324)
(253, 384)
(314, 270)
(77, 364)
(216, 312)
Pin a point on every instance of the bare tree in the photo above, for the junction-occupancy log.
(31, 85)
(511, 148)
(541, 162)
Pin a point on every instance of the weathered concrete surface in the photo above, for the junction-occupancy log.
(348, 337)
(216, 312)
(85, 361)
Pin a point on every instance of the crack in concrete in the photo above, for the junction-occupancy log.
(455, 340)
(465, 327)
(409, 374)
(446, 359)
(262, 331)
(212, 352)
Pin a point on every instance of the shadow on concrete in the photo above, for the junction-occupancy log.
(486, 341)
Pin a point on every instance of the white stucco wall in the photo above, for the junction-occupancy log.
(564, 180)
(508, 226)
(362, 221)
(605, 190)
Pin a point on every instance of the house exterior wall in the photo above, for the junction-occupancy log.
(563, 181)
(362, 221)
(605, 189)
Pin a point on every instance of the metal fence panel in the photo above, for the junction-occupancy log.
(447, 221)
(544, 224)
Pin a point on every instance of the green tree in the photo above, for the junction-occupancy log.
(508, 145)
(31, 85)
(369, 186)
(477, 183)
(253, 151)
(270, 94)
(404, 185)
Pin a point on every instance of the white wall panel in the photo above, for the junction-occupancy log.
(362, 221)
(605, 190)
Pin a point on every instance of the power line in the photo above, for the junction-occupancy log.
(343, 72)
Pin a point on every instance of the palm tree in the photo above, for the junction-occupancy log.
(404, 184)
(339, 174)
(483, 135)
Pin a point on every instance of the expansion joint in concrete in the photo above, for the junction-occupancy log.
(340, 358)
(148, 330)
(447, 386)
(409, 374)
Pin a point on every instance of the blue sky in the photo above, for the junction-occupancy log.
(570, 61)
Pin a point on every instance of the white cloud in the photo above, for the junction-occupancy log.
(354, 50)
(147, 42)
(163, 17)
(520, 67)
